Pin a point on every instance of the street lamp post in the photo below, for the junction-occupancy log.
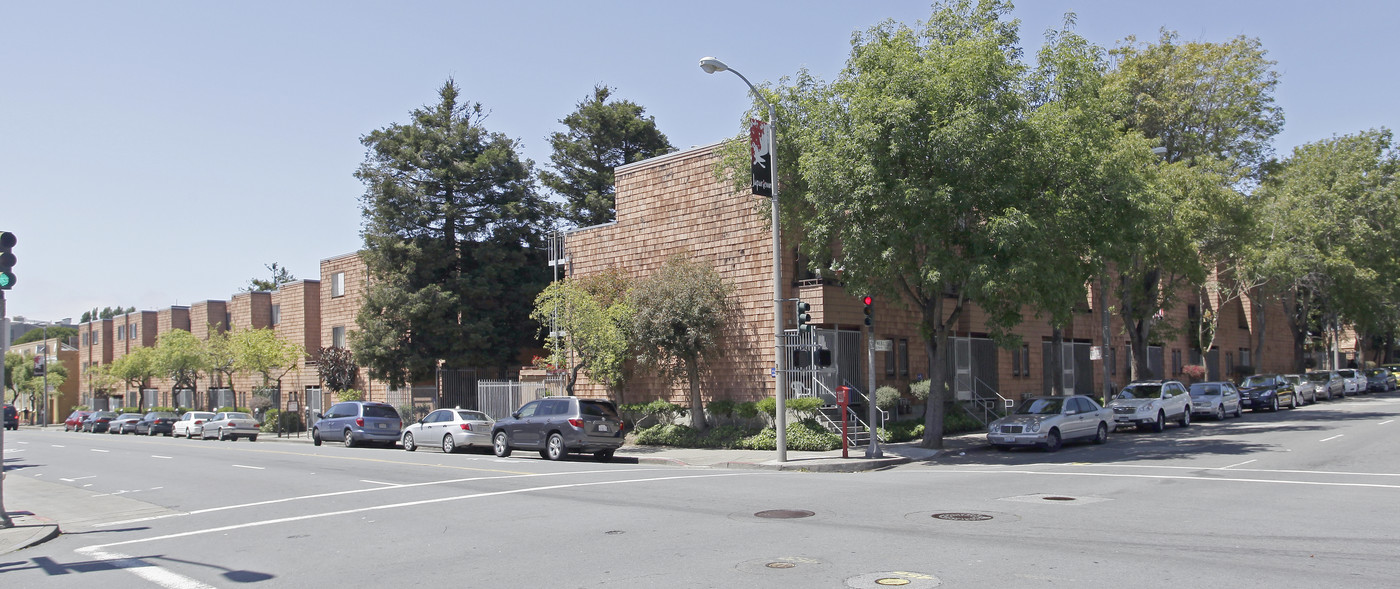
(712, 65)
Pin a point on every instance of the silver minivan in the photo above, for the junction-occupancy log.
(355, 422)
(557, 426)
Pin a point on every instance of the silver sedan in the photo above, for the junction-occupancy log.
(449, 429)
(1049, 421)
(229, 425)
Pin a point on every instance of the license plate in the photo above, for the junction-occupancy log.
(602, 427)
(381, 425)
(1002, 439)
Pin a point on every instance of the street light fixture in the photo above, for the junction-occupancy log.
(712, 65)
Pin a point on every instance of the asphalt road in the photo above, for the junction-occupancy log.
(1301, 498)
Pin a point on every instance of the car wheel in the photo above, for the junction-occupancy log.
(315, 437)
(253, 438)
(1220, 412)
(221, 435)
(1052, 441)
(349, 439)
(1274, 405)
(603, 456)
(408, 442)
(449, 445)
(1239, 410)
(1185, 418)
(1161, 423)
(1102, 435)
(1293, 402)
(501, 444)
(554, 447)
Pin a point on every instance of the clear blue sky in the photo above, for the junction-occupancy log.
(160, 153)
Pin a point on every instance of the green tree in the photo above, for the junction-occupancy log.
(101, 380)
(337, 368)
(136, 368)
(279, 276)
(1211, 107)
(679, 315)
(18, 371)
(57, 332)
(601, 136)
(593, 314)
(260, 351)
(220, 359)
(453, 243)
(180, 356)
(907, 160)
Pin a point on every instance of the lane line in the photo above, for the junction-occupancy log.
(159, 456)
(98, 450)
(57, 446)
(1197, 468)
(160, 576)
(1331, 438)
(250, 467)
(368, 490)
(72, 480)
(410, 504)
(1180, 478)
(1385, 422)
(1240, 464)
(380, 483)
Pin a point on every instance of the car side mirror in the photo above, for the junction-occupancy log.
(515, 415)
(319, 416)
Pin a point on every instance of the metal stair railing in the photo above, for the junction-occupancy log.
(984, 407)
(859, 430)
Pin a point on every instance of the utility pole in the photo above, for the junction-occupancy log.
(4, 349)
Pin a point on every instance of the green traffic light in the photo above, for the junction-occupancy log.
(6, 280)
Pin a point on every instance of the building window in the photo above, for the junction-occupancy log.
(337, 337)
(1025, 359)
(121, 332)
(889, 364)
(276, 314)
(1016, 362)
(134, 329)
(1176, 362)
(1230, 362)
(338, 284)
(904, 357)
(1244, 357)
(228, 320)
(85, 338)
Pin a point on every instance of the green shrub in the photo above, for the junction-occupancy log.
(902, 431)
(920, 389)
(721, 408)
(680, 436)
(233, 409)
(768, 405)
(806, 407)
(349, 395)
(746, 410)
(807, 435)
(887, 398)
(960, 423)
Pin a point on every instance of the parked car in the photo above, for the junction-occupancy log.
(1149, 404)
(1266, 392)
(355, 422)
(1047, 422)
(1306, 390)
(1380, 380)
(189, 422)
(11, 417)
(1216, 399)
(230, 425)
(560, 425)
(156, 422)
(451, 429)
(97, 422)
(124, 423)
(1329, 384)
(75, 421)
(1354, 379)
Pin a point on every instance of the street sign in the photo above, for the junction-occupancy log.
(884, 345)
(1095, 353)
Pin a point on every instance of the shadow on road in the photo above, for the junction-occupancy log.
(55, 568)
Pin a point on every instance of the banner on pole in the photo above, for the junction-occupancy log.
(761, 157)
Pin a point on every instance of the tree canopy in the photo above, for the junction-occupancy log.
(279, 276)
(592, 315)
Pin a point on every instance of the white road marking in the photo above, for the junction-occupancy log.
(1197, 468)
(357, 491)
(415, 504)
(159, 456)
(97, 450)
(1240, 464)
(24, 442)
(380, 483)
(91, 476)
(57, 446)
(252, 467)
(1381, 423)
(1175, 477)
(143, 569)
(1331, 438)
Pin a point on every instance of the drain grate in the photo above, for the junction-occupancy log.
(614, 532)
(784, 513)
(1057, 498)
(781, 565)
(962, 517)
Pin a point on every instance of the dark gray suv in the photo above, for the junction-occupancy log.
(559, 425)
(354, 422)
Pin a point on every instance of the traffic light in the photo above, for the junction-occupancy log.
(803, 317)
(869, 310)
(7, 260)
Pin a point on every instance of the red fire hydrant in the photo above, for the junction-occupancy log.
(843, 398)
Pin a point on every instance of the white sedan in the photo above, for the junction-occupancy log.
(449, 429)
(188, 421)
(230, 425)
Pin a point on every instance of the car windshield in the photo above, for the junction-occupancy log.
(1259, 381)
(1376, 372)
(1293, 379)
(131, 416)
(597, 409)
(1319, 376)
(473, 416)
(1140, 391)
(198, 415)
(1199, 389)
(1040, 407)
(161, 414)
(237, 416)
(104, 415)
(381, 411)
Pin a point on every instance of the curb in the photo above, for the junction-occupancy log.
(33, 531)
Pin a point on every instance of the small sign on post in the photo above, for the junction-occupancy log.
(1095, 353)
(884, 345)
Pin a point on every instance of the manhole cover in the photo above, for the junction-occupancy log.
(909, 580)
(963, 517)
(771, 564)
(780, 565)
(614, 532)
(892, 581)
(784, 513)
(1057, 498)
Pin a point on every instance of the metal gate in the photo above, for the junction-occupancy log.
(962, 369)
(314, 404)
(457, 388)
(846, 350)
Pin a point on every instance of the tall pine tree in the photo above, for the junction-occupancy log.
(601, 135)
(453, 242)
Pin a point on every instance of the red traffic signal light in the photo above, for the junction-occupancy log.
(869, 310)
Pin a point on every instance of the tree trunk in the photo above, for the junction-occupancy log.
(1139, 328)
(936, 348)
(697, 409)
(1260, 328)
(1057, 361)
